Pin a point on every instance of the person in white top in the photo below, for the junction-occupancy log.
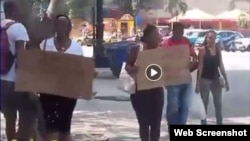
(58, 110)
(11, 101)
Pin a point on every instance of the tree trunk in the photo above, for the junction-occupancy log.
(98, 50)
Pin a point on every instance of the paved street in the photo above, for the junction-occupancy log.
(110, 114)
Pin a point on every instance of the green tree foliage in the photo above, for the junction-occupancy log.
(80, 8)
(175, 7)
(126, 5)
(242, 21)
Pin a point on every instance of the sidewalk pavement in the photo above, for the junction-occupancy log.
(116, 126)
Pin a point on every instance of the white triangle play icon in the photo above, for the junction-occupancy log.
(153, 72)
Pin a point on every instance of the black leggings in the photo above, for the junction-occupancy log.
(57, 112)
(148, 106)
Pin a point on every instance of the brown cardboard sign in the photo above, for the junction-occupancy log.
(162, 67)
(55, 73)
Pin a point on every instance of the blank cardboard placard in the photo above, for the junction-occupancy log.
(177, 62)
(144, 59)
(174, 62)
(55, 73)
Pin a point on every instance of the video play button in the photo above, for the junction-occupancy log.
(153, 72)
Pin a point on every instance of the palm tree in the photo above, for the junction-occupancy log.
(126, 5)
(175, 7)
(232, 4)
(242, 22)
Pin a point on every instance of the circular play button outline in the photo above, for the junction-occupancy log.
(148, 67)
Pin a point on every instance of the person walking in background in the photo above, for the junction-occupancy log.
(58, 110)
(208, 75)
(179, 96)
(147, 104)
(14, 36)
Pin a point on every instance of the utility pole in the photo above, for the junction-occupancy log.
(94, 26)
(135, 7)
(99, 49)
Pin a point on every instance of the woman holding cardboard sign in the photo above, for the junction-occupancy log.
(148, 104)
(208, 77)
(58, 110)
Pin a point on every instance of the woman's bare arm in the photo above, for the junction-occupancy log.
(200, 64)
(222, 68)
(131, 57)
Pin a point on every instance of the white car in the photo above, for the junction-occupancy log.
(242, 44)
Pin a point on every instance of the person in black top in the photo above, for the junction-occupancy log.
(147, 104)
(208, 76)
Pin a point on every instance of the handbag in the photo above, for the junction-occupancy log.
(222, 82)
(193, 66)
(127, 83)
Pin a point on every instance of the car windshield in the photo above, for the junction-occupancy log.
(202, 34)
(196, 33)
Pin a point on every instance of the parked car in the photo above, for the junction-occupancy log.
(223, 38)
(194, 34)
(241, 44)
(191, 34)
(199, 42)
